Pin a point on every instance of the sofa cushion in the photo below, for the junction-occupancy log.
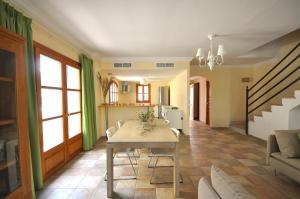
(288, 142)
(205, 191)
(294, 162)
(226, 187)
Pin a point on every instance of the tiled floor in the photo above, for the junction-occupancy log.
(242, 157)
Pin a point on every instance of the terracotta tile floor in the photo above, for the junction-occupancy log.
(242, 157)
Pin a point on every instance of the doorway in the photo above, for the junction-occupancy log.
(200, 99)
(196, 100)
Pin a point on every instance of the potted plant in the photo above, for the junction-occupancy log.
(105, 82)
(145, 118)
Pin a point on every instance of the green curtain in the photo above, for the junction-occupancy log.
(14, 21)
(88, 103)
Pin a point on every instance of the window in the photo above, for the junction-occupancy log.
(113, 93)
(143, 93)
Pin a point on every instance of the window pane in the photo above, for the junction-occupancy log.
(140, 89)
(51, 103)
(140, 97)
(146, 89)
(73, 101)
(52, 133)
(73, 78)
(50, 70)
(74, 125)
(146, 97)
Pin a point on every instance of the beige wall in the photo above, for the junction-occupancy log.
(42, 35)
(227, 93)
(179, 96)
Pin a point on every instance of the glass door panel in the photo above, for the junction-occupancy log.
(74, 101)
(73, 78)
(50, 71)
(53, 132)
(10, 177)
(51, 103)
(74, 125)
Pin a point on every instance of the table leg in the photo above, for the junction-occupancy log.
(176, 171)
(110, 171)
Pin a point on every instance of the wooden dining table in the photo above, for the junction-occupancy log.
(132, 135)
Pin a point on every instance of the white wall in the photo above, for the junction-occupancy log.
(294, 118)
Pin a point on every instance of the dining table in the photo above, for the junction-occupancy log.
(133, 135)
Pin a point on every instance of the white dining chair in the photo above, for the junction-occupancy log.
(167, 123)
(162, 152)
(109, 133)
(120, 123)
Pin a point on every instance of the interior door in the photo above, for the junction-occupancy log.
(59, 99)
(196, 101)
(207, 121)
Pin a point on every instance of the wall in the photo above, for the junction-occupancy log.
(294, 116)
(227, 92)
(179, 96)
(42, 35)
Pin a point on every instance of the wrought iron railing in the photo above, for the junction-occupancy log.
(253, 93)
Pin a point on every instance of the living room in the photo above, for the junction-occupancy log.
(149, 99)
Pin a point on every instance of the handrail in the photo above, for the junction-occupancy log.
(275, 76)
(249, 96)
(275, 95)
(292, 72)
(274, 67)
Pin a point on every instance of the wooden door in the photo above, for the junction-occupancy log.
(196, 101)
(59, 99)
(207, 121)
(15, 180)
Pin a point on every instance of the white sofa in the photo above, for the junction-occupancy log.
(223, 186)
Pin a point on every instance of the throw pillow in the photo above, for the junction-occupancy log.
(288, 142)
(226, 187)
(205, 191)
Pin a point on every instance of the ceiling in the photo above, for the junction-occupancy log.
(165, 28)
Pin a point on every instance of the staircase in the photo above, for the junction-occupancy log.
(273, 102)
(280, 117)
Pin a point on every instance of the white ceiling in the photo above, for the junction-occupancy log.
(165, 28)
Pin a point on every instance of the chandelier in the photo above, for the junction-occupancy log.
(212, 59)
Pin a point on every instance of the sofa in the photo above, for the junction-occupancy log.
(223, 187)
(289, 166)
